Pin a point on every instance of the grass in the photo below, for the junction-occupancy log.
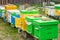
(7, 31)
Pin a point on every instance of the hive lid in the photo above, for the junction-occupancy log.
(57, 5)
(43, 21)
(50, 7)
(2, 7)
(48, 22)
(33, 17)
(14, 11)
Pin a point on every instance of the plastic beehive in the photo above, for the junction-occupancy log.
(29, 21)
(57, 10)
(25, 13)
(45, 29)
(18, 22)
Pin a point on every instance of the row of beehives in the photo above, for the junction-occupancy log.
(11, 14)
(53, 10)
(42, 28)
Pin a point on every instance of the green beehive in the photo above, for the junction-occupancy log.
(2, 10)
(29, 11)
(45, 30)
(57, 6)
(24, 11)
(29, 21)
(33, 11)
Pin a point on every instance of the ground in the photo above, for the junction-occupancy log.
(9, 33)
(59, 33)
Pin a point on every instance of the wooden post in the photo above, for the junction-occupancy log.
(6, 1)
(2, 2)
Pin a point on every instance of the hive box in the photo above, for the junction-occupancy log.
(11, 15)
(29, 22)
(57, 10)
(49, 10)
(23, 14)
(29, 11)
(44, 30)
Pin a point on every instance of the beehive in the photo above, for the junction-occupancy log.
(22, 21)
(29, 22)
(44, 30)
(12, 14)
(57, 10)
(9, 7)
(49, 10)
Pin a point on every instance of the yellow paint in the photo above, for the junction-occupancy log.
(10, 7)
(46, 11)
(21, 23)
(18, 22)
(57, 12)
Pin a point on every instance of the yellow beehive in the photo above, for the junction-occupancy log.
(23, 26)
(21, 23)
(10, 7)
(18, 22)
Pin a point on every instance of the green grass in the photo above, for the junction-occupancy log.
(6, 30)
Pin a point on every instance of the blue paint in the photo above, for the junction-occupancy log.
(17, 16)
(12, 20)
